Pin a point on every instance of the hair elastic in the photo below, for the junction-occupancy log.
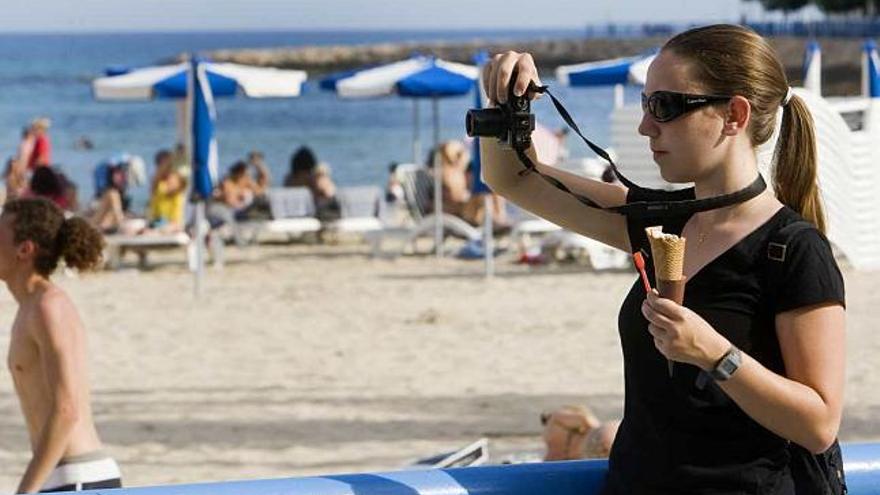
(788, 96)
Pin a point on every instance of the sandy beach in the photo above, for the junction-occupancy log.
(304, 359)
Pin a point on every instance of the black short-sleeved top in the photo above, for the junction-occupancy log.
(680, 437)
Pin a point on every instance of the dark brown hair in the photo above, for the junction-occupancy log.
(42, 222)
(734, 60)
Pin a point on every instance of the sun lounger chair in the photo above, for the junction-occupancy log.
(526, 224)
(142, 244)
(418, 189)
(475, 454)
(293, 214)
(601, 256)
(361, 210)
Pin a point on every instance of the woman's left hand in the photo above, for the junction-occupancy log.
(682, 335)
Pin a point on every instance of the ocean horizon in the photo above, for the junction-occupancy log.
(49, 74)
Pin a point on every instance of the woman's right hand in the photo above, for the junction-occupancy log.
(496, 75)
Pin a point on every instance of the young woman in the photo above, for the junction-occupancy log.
(47, 351)
(773, 344)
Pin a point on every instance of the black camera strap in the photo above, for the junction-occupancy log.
(637, 209)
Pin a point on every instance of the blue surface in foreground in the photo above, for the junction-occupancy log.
(862, 464)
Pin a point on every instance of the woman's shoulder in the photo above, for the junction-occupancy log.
(808, 272)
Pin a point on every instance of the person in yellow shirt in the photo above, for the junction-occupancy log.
(167, 195)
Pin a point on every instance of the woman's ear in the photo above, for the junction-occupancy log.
(739, 112)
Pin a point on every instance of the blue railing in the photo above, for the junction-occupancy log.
(862, 464)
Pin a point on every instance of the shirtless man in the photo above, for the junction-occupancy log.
(47, 352)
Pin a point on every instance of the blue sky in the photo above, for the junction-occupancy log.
(175, 15)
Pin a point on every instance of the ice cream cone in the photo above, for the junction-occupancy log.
(668, 253)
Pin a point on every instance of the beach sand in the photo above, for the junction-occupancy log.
(303, 360)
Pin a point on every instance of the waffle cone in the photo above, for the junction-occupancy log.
(668, 253)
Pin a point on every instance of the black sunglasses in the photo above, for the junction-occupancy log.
(664, 106)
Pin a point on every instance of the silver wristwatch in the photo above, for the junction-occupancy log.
(727, 365)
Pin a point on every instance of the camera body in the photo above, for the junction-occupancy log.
(511, 123)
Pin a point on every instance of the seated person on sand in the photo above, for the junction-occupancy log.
(48, 355)
(167, 195)
(574, 432)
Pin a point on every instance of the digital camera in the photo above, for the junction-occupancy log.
(511, 122)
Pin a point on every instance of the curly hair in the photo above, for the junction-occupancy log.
(42, 222)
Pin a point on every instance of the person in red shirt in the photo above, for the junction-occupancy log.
(42, 152)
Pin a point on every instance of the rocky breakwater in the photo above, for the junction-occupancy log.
(841, 56)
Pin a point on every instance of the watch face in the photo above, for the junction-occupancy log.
(728, 365)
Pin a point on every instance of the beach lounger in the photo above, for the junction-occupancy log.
(293, 214)
(525, 225)
(361, 210)
(475, 454)
(418, 189)
(142, 244)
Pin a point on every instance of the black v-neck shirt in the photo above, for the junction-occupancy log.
(684, 435)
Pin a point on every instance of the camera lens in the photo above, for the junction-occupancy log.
(488, 122)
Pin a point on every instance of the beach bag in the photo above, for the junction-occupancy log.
(813, 474)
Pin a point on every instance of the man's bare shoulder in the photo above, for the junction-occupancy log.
(53, 309)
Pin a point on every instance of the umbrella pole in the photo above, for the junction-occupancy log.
(488, 239)
(438, 187)
(200, 203)
(182, 122)
(417, 145)
(200, 246)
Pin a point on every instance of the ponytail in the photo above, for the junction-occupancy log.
(795, 178)
(79, 244)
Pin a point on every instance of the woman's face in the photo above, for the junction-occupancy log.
(692, 145)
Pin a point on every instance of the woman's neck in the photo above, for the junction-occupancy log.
(729, 177)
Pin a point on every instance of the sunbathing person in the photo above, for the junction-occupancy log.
(47, 351)
(167, 195)
(454, 159)
(113, 201)
(574, 432)
(302, 165)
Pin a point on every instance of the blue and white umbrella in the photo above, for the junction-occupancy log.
(615, 72)
(170, 81)
(416, 77)
(813, 68)
(870, 70)
(419, 77)
(625, 70)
